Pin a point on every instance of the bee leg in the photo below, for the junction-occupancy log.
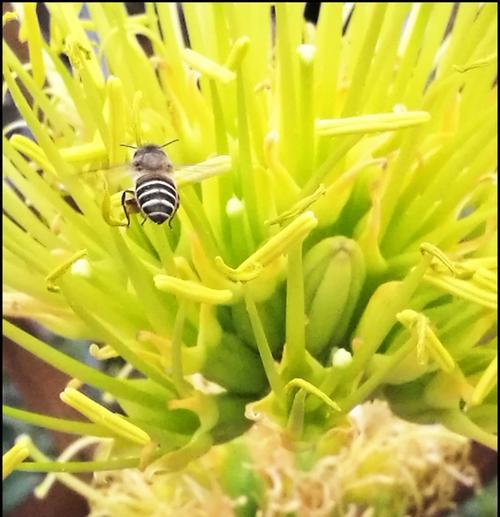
(144, 220)
(124, 205)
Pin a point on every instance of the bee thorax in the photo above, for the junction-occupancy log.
(151, 158)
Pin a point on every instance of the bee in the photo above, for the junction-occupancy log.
(155, 193)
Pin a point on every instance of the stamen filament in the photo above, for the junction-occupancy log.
(57, 424)
(61, 269)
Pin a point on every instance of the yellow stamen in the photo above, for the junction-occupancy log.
(313, 390)
(425, 247)
(74, 383)
(99, 414)
(464, 289)
(234, 274)
(296, 231)
(201, 171)
(192, 291)
(427, 341)
(207, 67)
(237, 53)
(102, 353)
(485, 384)
(371, 123)
(13, 457)
(299, 207)
(34, 36)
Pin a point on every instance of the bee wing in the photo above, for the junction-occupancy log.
(116, 176)
(188, 174)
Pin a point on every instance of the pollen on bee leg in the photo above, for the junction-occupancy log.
(132, 206)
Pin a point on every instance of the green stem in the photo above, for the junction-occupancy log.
(329, 44)
(247, 173)
(295, 423)
(456, 421)
(83, 200)
(177, 371)
(241, 235)
(363, 62)
(289, 142)
(392, 298)
(122, 344)
(196, 213)
(222, 189)
(266, 356)
(36, 256)
(157, 313)
(57, 424)
(363, 391)
(409, 58)
(18, 210)
(57, 120)
(85, 236)
(295, 320)
(74, 368)
(158, 237)
(338, 149)
(78, 466)
(306, 151)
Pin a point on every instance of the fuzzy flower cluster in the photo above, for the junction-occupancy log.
(368, 471)
(336, 237)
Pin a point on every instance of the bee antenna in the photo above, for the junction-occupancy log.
(130, 146)
(171, 142)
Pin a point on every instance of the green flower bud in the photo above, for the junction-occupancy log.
(334, 272)
(235, 367)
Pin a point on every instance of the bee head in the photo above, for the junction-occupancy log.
(151, 158)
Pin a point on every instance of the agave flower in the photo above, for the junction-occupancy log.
(336, 235)
(371, 469)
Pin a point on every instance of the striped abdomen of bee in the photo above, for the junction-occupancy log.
(157, 197)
